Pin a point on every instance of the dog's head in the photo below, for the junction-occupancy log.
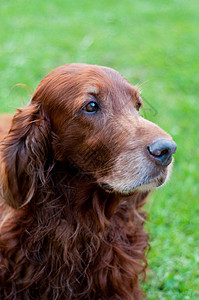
(94, 112)
(89, 116)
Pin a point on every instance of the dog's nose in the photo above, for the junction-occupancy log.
(162, 151)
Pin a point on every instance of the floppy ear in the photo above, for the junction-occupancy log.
(26, 156)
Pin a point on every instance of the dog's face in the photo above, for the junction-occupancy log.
(94, 113)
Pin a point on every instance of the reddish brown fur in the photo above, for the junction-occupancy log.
(62, 236)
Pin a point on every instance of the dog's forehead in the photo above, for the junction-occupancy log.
(96, 78)
(120, 83)
(110, 76)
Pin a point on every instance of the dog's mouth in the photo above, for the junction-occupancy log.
(107, 187)
(153, 183)
(145, 184)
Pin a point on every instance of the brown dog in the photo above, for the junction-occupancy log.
(75, 170)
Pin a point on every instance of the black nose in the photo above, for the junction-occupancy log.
(162, 151)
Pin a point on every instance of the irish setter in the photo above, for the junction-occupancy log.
(76, 168)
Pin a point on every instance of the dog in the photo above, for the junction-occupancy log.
(76, 167)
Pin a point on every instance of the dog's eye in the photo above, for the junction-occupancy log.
(139, 104)
(91, 107)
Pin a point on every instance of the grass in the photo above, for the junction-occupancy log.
(152, 43)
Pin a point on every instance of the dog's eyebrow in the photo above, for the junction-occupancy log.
(92, 90)
(135, 92)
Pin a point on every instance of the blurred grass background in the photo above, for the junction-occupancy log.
(153, 43)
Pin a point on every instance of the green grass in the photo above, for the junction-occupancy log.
(153, 43)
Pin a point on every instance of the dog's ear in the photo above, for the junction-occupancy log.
(26, 156)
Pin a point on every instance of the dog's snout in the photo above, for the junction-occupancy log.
(162, 150)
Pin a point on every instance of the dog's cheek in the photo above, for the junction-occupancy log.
(94, 158)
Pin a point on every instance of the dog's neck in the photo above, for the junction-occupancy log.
(76, 215)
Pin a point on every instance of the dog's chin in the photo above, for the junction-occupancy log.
(145, 185)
